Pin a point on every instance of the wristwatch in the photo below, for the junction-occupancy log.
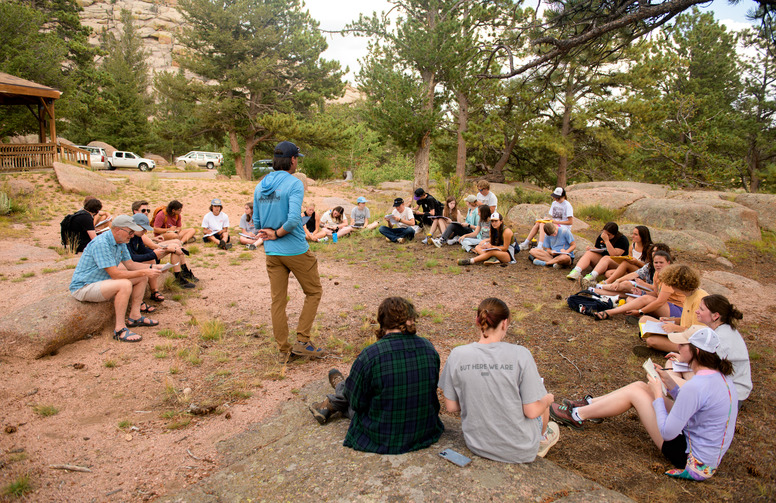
(641, 312)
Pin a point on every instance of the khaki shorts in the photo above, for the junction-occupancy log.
(90, 293)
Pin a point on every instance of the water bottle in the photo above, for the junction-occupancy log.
(334, 237)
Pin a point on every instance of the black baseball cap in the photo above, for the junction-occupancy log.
(287, 149)
(419, 193)
(398, 202)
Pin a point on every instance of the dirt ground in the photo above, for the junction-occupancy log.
(144, 418)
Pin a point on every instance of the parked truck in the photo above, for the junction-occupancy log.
(121, 159)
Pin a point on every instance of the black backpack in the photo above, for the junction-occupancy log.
(65, 229)
(589, 303)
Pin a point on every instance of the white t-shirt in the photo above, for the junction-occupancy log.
(215, 222)
(246, 223)
(491, 382)
(490, 199)
(733, 347)
(407, 214)
(561, 212)
(329, 222)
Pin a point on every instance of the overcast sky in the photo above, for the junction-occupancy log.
(348, 50)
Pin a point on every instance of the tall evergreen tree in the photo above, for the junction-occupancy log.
(259, 72)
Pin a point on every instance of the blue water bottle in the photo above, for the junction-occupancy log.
(334, 237)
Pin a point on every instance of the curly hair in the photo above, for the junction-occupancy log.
(396, 313)
(490, 313)
(681, 277)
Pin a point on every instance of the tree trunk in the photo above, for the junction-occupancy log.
(497, 173)
(423, 152)
(753, 166)
(238, 161)
(565, 131)
(463, 124)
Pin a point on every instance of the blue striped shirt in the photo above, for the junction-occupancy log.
(101, 252)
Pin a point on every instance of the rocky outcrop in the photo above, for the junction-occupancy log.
(525, 215)
(50, 318)
(764, 205)
(687, 240)
(82, 181)
(613, 198)
(652, 190)
(725, 219)
(290, 457)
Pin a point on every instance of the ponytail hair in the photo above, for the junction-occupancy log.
(712, 361)
(728, 314)
(491, 313)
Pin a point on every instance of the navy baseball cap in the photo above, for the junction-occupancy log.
(287, 149)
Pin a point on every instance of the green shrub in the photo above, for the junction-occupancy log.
(397, 168)
(598, 213)
(18, 487)
(5, 204)
(317, 168)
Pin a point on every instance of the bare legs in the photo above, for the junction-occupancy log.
(121, 291)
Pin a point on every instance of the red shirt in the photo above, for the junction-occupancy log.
(163, 221)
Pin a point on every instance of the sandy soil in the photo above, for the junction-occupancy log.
(122, 409)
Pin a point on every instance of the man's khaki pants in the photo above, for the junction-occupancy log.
(305, 269)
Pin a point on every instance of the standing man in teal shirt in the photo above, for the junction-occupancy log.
(277, 210)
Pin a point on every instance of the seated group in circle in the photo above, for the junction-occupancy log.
(322, 228)
(507, 415)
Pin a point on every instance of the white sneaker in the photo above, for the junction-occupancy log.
(323, 239)
(425, 241)
(451, 242)
(525, 245)
(574, 274)
(548, 439)
(437, 242)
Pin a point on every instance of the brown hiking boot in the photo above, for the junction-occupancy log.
(321, 411)
(335, 377)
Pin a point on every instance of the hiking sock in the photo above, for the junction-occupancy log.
(576, 269)
(593, 275)
(575, 414)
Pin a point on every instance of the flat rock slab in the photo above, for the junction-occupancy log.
(50, 318)
(332, 202)
(82, 181)
(653, 190)
(725, 219)
(687, 240)
(291, 458)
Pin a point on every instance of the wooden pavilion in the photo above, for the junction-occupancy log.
(39, 99)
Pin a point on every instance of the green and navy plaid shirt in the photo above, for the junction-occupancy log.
(392, 390)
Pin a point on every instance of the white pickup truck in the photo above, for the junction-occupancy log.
(121, 159)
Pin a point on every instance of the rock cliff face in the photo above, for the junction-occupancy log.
(157, 22)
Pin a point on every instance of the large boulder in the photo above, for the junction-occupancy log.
(725, 219)
(17, 187)
(82, 181)
(304, 179)
(686, 240)
(501, 188)
(331, 202)
(525, 215)
(652, 190)
(613, 198)
(50, 318)
(159, 160)
(764, 205)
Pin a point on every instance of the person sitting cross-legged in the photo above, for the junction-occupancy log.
(390, 395)
(142, 252)
(98, 277)
(401, 222)
(557, 249)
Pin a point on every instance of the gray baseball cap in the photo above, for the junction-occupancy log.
(126, 221)
(142, 220)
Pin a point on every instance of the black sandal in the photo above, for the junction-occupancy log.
(145, 308)
(156, 296)
(601, 315)
(124, 335)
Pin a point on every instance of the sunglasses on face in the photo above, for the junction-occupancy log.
(145, 211)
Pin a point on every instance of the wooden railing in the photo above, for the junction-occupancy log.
(24, 156)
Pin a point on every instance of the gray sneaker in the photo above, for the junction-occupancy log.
(574, 274)
(452, 241)
(525, 245)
